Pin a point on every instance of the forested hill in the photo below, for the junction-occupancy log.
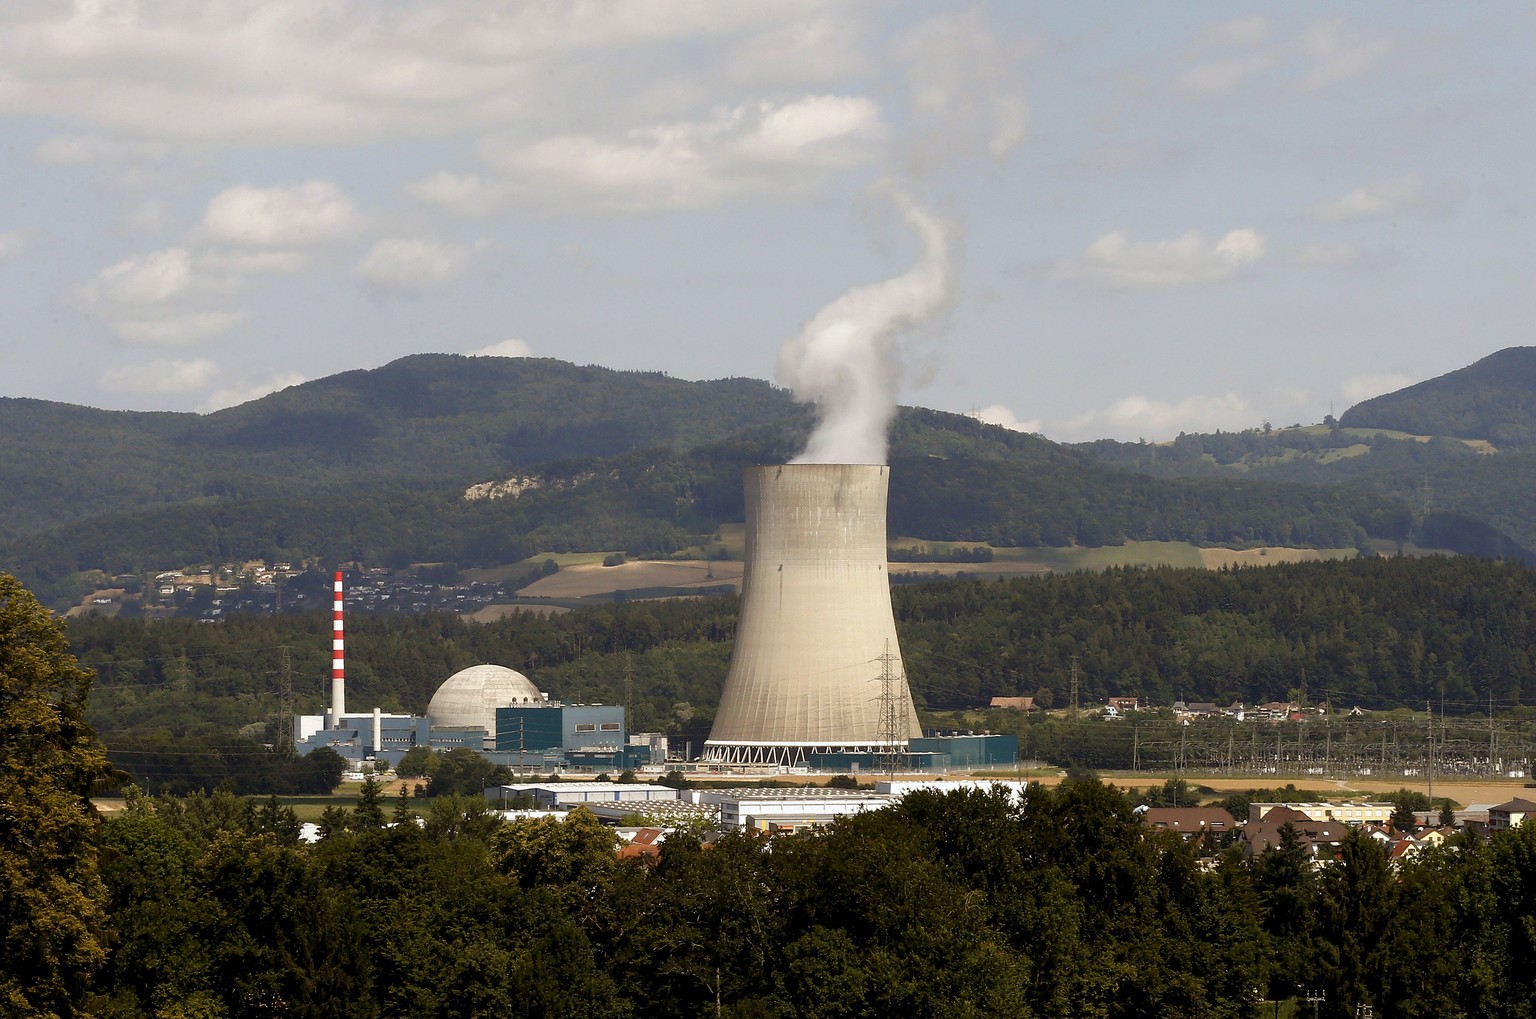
(373, 467)
(1375, 633)
(430, 417)
(1457, 448)
(950, 482)
(1492, 399)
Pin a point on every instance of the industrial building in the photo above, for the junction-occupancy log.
(375, 736)
(816, 670)
(471, 697)
(566, 795)
(815, 682)
(464, 712)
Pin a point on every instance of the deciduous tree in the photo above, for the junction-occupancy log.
(50, 891)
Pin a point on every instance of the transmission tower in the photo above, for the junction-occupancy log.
(1074, 688)
(629, 690)
(891, 730)
(283, 742)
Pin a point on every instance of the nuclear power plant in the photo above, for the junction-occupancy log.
(815, 682)
(816, 672)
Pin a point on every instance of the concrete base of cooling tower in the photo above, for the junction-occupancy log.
(791, 755)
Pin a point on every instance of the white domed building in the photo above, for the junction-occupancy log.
(468, 699)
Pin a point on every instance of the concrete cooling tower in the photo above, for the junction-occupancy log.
(816, 668)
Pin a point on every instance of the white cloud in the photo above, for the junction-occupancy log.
(245, 393)
(411, 265)
(296, 71)
(1338, 52)
(12, 243)
(156, 298)
(464, 194)
(997, 414)
(964, 73)
(1390, 196)
(815, 48)
(1225, 58)
(300, 215)
(149, 279)
(1215, 79)
(1363, 387)
(506, 348)
(762, 148)
(1141, 416)
(160, 377)
(176, 328)
(1193, 257)
(238, 262)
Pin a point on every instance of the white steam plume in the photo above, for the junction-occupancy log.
(845, 360)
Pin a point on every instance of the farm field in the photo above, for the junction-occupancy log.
(584, 576)
(586, 580)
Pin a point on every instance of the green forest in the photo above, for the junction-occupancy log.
(973, 904)
(1375, 633)
(1057, 902)
(1460, 449)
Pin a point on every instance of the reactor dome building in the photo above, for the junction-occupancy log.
(816, 670)
(469, 698)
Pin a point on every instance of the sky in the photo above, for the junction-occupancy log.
(1151, 218)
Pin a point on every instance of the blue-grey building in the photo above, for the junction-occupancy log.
(373, 736)
(584, 732)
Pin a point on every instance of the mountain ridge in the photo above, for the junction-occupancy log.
(1494, 398)
(372, 465)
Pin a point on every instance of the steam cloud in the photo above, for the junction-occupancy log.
(845, 360)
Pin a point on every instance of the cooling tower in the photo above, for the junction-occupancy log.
(816, 667)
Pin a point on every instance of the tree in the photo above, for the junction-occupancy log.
(1405, 803)
(370, 805)
(574, 853)
(1287, 889)
(1357, 907)
(51, 896)
(333, 819)
(461, 772)
(418, 762)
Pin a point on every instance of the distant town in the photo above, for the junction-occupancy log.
(212, 592)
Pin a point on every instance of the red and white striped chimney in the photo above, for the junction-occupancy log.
(338, 658)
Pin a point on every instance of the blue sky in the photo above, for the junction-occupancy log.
(1159, 217)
